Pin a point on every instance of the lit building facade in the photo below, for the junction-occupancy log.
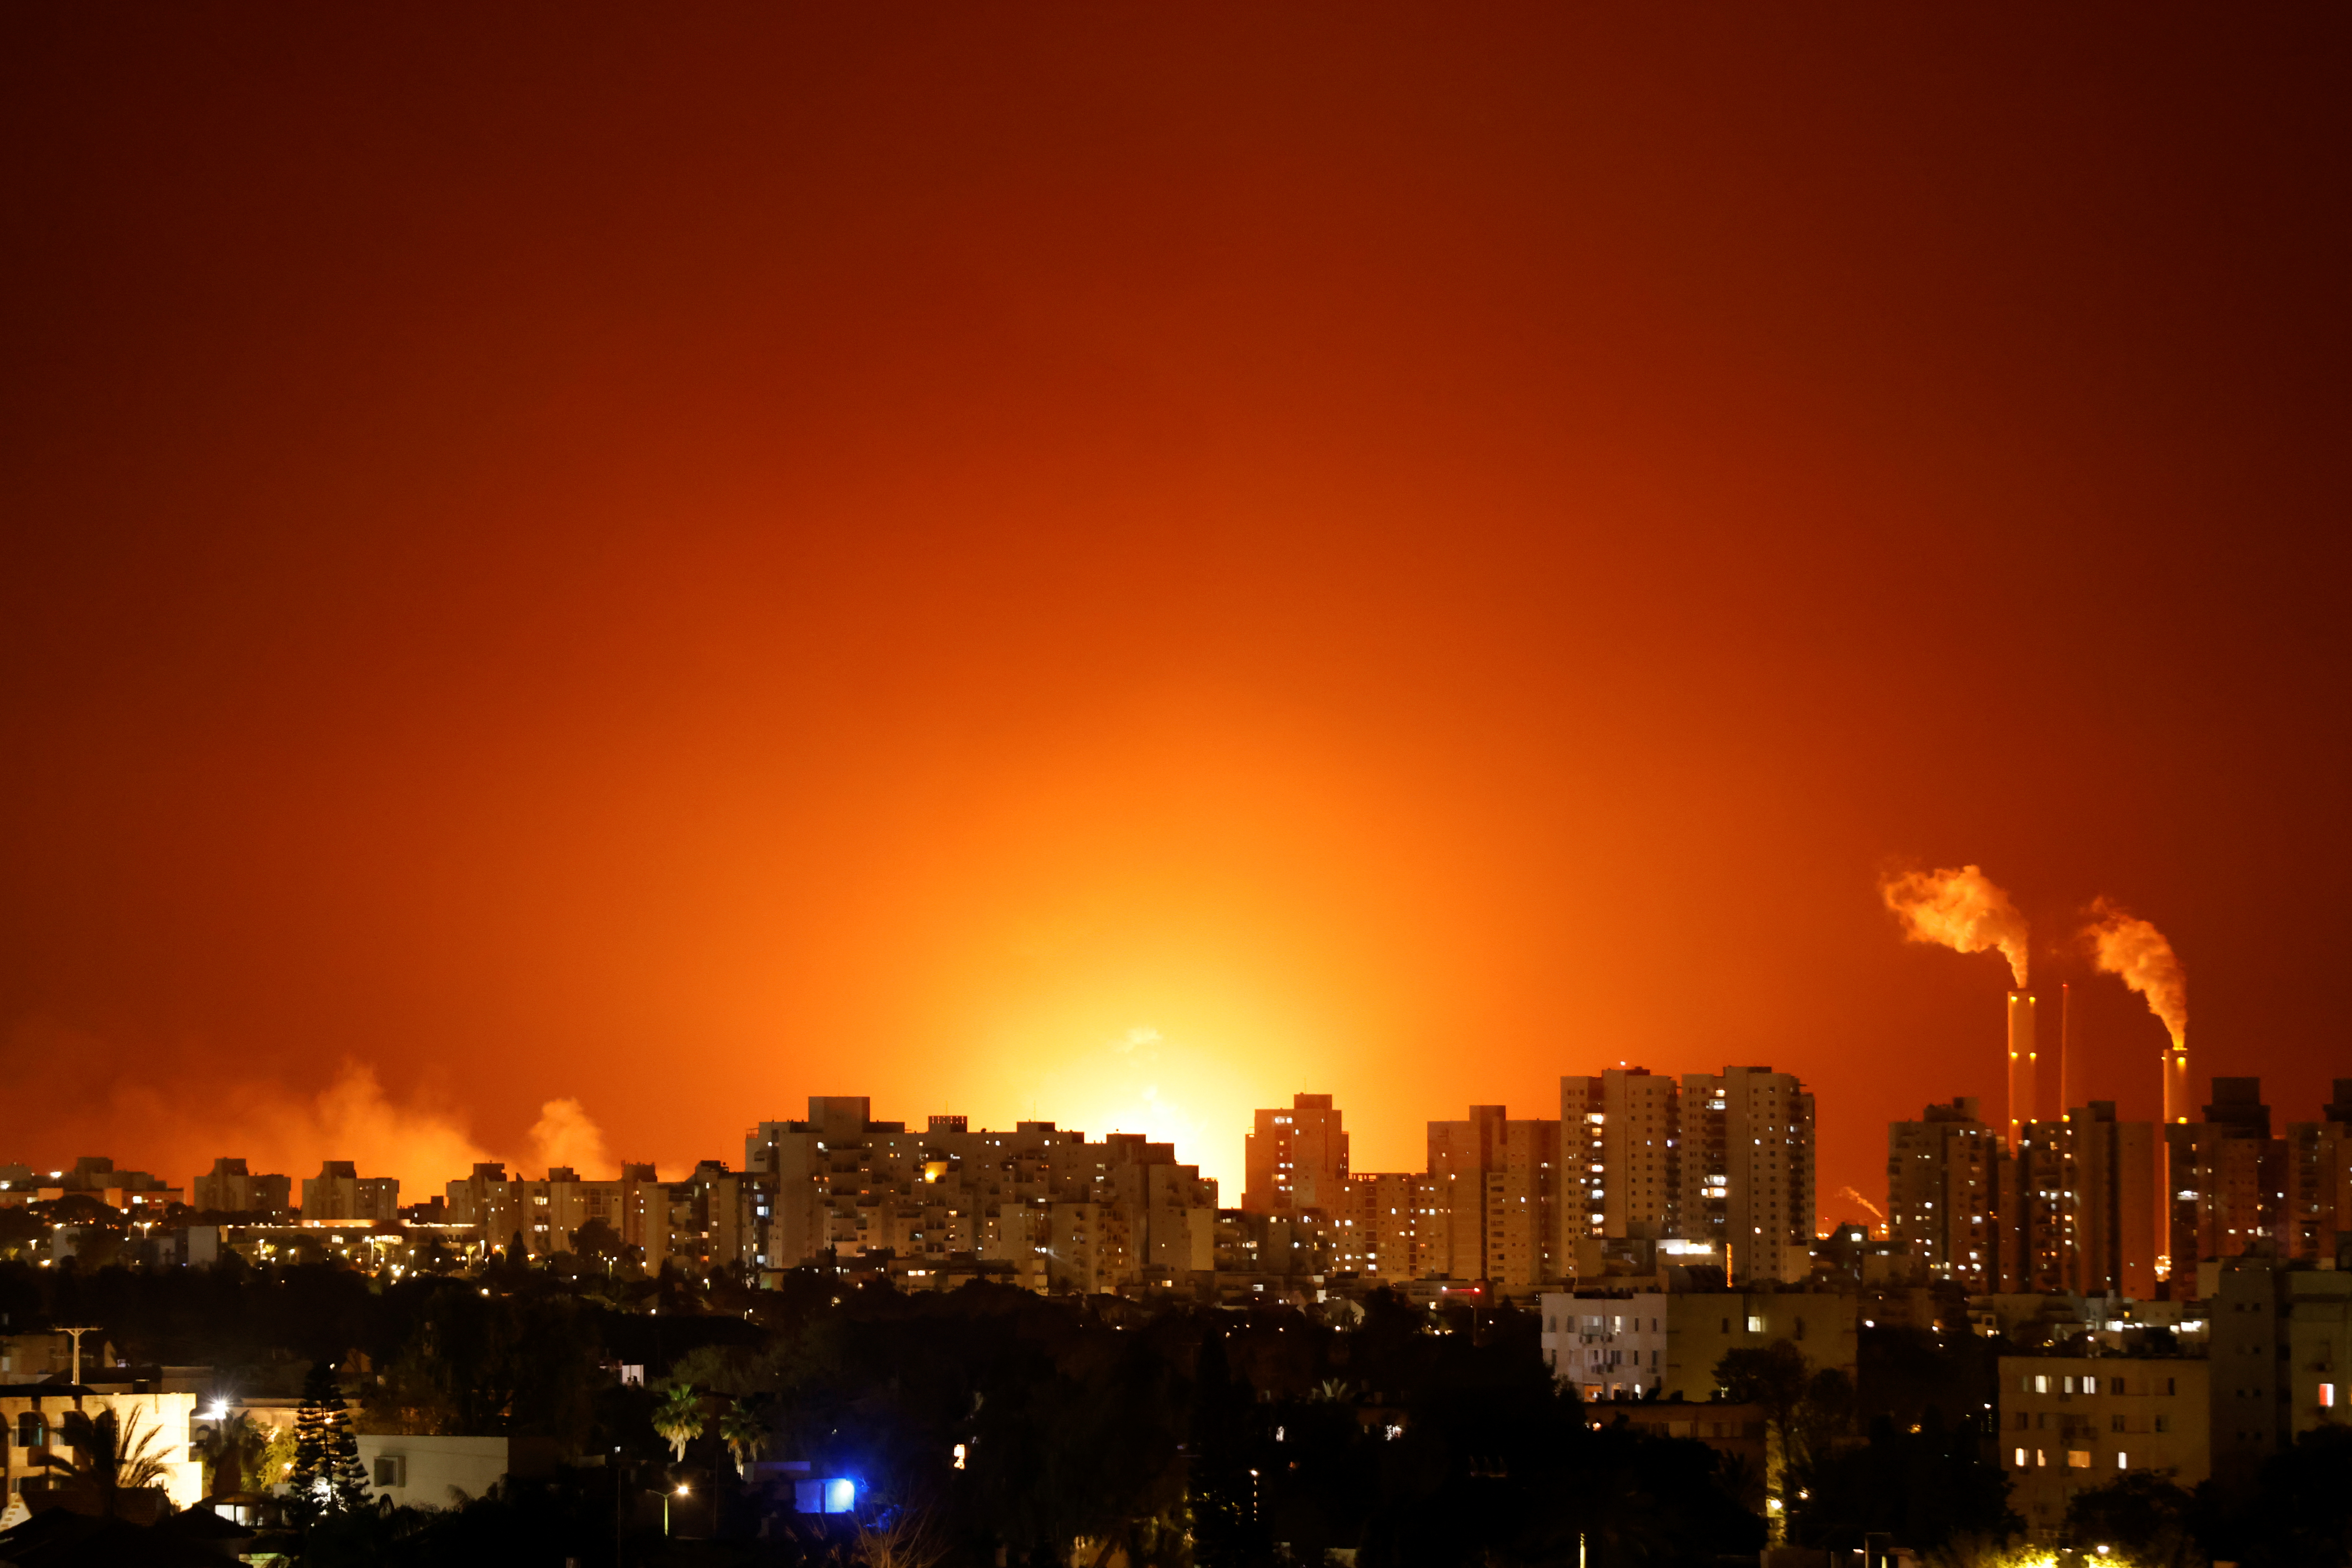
(1057, 1212)
(1296, 1159)
(2068, 1423)
(1940, 1198)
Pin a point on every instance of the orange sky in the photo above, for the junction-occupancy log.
(1116, 566)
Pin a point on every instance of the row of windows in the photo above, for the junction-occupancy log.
(2039, 1383)
(2034, 1420)
(2077, 1459)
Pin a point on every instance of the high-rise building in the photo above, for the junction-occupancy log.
(1621, 1169)
(2036, 1200)
(2115, 1202)
(1748, 1170)
(1940, 1198)
(2229, 1176)
(538, 1219)
(1377, 1233)
(230, 1188)
(340, 1192)
(2319, 1180)
(1297, 1159)
(1053, 1210)
(1492, 1187)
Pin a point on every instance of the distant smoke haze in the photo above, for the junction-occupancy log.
(563, 1135)
(422, 1141)
(1961, 909)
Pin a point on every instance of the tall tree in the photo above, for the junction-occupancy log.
(1774, 1378)
(327, 1469)
(1228, 1527)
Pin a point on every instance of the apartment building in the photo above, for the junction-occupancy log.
(32, 1421)
(2070, 1423)
(542, 1217)
(1381, 1225)
(1621, 1172)
(2229, 1177)
(135, 1193)
(2071, 1207)
(2116, 1207)
(2281, 1350)
(2318, 1155)
(1296, 1159)
(1606, 1347)
(1063, 1214)
(1668, 1344)
(1747, 1171)
(340, 1192)
(1940, 1198)
(1493, 1190)
(230, 1188)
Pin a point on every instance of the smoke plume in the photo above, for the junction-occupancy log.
(2124, 945)
(1960, 910)
(1870, 1208)
(564, 1136)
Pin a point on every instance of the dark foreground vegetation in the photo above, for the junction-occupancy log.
(989, 1425)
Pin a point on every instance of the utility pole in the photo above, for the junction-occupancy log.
(76, 1333)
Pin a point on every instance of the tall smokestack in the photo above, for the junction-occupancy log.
(2066, 1051)
(2023, 1061)
(1963, 910)
(2124, 945)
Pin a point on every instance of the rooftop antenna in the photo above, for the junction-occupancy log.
(76, 1333)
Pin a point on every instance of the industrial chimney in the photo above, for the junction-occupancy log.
(2023, 1061)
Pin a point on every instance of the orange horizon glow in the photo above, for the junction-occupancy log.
(567, 592)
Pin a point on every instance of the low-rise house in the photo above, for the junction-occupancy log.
(33, 1417)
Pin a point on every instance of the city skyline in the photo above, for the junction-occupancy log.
(355, 1114)
(1139, 567)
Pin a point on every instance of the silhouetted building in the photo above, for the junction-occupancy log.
(2318, 1209)
(230, 1188)
(1297, 1159)
(2229, 1176)
(1941, 1173)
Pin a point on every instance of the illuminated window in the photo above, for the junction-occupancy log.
(2078, 1458)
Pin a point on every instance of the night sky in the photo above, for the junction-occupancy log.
(1116, 564)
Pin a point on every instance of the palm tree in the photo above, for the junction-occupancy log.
(233, 1449)
(678, 1418)
(111, 1459)
(744, 1432)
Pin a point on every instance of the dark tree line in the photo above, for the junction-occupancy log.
(1174, 1433)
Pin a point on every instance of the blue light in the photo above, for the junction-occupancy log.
(840, 1495)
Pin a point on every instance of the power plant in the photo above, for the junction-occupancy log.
(1963, 910)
